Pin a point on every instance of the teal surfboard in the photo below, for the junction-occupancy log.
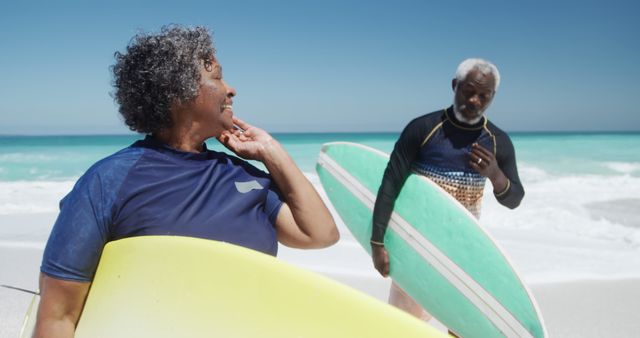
(439, 253)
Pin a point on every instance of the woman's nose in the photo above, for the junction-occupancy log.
(231, 92)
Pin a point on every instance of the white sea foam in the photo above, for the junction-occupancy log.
(553, 235)
(561, 204)
(532, 173)
(27, 157)
(26, 197)
(623, 167)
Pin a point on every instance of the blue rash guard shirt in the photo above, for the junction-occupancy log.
(150, 188)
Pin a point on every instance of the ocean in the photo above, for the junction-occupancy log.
(582, 191)
(60, 158)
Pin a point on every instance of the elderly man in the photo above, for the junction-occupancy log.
(457, 148)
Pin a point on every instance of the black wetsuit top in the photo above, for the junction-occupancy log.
(437, 146)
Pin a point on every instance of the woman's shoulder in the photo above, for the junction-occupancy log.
(121, 159)
(113, 168)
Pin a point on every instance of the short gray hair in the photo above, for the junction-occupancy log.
(483, 66)
(157, 70)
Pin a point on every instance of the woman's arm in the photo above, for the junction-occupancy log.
(61, 304)
(304, 220)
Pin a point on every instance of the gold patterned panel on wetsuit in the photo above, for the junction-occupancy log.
(467, 188)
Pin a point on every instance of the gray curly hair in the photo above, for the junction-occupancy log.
(158, 70)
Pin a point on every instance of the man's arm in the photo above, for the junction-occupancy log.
(61, 304)
(511, 195)
(396, 173)
(501, 170)
(303, 220)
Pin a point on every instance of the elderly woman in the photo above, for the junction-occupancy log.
(169, 86)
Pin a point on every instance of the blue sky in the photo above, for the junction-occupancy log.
(313, 66)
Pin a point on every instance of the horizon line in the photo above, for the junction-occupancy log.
(336, 132)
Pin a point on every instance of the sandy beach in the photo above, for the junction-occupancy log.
(582, 307)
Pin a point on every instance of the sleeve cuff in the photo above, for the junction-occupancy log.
(506, 189)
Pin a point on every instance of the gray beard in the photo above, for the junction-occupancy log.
(458, 115)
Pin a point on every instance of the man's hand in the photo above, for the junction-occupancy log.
(380, 258)
(483, 161)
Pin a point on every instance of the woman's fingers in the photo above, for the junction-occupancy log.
(240, 123)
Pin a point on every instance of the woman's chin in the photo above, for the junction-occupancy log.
(227, 117)
(228, 124)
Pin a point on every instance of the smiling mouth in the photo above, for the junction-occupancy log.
(227, 106)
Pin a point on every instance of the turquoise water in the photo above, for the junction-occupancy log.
(57, 158)
(577, 185)
(576, 153)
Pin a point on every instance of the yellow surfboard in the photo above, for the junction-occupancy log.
(29, 322)
(165, 286)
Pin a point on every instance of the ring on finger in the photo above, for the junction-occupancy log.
(479, 160)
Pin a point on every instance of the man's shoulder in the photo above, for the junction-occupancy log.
(503, 141)
(432, 116)
(429, 119)
(495, 130)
